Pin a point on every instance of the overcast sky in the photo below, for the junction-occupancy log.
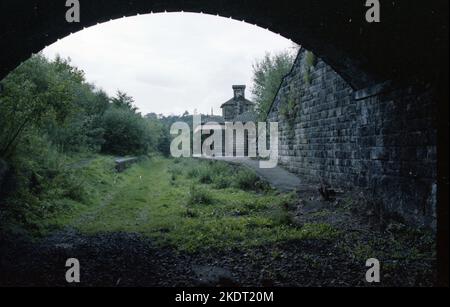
(170, 62)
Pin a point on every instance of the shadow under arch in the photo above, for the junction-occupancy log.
(363, 54)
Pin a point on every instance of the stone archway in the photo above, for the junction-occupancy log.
(409, 46)
(363, 53)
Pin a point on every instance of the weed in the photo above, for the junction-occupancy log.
(280, 216)
(191, 213)
(199, 196)
(187, 215)
(222, 181)
(246, 180)
(289, 201)
(310, 62)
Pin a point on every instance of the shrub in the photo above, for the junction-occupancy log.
(280, 216)
(193, 172)
(71, 186)
(246, 180)
(222, 181)
(190, 213)
(249, 181)
(202, 172)
(199, 196)
(126, 133)
(175, 170)
(205, 175)
(289, 201)
(222, 168)
(39, 185)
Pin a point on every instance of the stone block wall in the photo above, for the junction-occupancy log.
(381, 140)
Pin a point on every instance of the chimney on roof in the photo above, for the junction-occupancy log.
(239, 91)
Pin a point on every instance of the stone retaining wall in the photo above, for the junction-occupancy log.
(382, 139)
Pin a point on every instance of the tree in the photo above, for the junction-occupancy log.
(122, 100)
(34, 92)
(268, 74)
(49, 114)
(126, 133)
(51, 102)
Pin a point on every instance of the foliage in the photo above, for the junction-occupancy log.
(199, 196)
(310, 62)
(53, 99)
(222, 181)
(32, 93)
(221, 175)
(49, 115)
(188, 216)
(290, 108)
(248, 180)
(268, 74)
(280, 216)
(125, 132)
(123, 101)
(310, 59)
(40, 185)
(53, 125)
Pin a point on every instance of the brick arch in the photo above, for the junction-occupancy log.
(364, 54)
(409, 46)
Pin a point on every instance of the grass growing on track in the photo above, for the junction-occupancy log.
(189, 204)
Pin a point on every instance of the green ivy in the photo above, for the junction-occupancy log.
(310, 62)
(290, 108)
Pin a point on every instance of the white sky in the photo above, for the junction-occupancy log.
(170, 62)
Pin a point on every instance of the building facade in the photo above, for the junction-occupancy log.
(238, 105)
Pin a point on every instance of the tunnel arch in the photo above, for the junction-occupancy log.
(409, 46)
(363, 54)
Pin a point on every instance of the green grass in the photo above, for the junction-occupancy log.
(168, 201)
(97, 181)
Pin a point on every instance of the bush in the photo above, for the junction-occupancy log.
(205, 175)
(222, 176)
(190, 213)
(223, 168)
(126, 133)
(39, 184)
(246, 180)
(280, 216)
(201, 172)
(222, 181)
(192, 172)
(199, 196)
(289, 201)
(175, 170)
